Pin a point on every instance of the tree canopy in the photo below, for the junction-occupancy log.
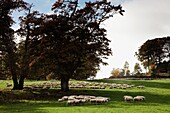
(70, 43)
(154, 52)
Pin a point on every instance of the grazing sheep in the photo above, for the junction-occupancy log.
(64, 98)
(101, 100)
(141, 87)
(128, 98)
(73, 99)
(139, 98)
(92, 100)
(60, 100)
(86, 98)
(8, 84)
(79, 97)
(70, 102)
(92, 97)
(76, 101)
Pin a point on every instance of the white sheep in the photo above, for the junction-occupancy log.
(139, 98)
(92, 100)
(8, 84)
(60, 100)
(99, 100)
(64, 98)
(141, 87)
(70, 102)
(76, 101)
(128, 98)
(71, 98)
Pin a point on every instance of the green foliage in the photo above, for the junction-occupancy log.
(65, 43)
(137, 69)
(154, 52)
(71, 40)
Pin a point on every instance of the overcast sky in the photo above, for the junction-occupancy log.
(143, 20)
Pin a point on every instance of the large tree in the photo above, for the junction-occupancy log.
(72, 38)
(7, 38)
(154, 52)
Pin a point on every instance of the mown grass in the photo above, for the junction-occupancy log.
(157, 93)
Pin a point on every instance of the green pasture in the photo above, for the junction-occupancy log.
(157, 93)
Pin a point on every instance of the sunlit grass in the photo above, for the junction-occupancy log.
(157, 93)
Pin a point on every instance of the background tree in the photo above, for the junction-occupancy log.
(154, 52)
(72, 38)
(137, 69)
(4, 68)
(126, 68)
(7, 39)
(116, 72)
(27, 24)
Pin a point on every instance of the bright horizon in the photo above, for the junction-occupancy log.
(142, 20)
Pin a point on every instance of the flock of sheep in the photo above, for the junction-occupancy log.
(76, 99)
(85, 85)
(136, 98)
(99, 85)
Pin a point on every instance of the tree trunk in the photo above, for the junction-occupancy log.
(24, 73)
(21, 82)
(12, 68)
(64, 84)
(15, 83)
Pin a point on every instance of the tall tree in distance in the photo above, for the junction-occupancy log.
(126, 68)
(137, 69)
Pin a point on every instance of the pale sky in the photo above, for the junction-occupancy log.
(143, 20)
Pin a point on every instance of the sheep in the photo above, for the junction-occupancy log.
(92, 97)
(79, 97)
(82, 101)
(139, 98)
(101, 99)
(70, 102)
(64, 98)
(71, 98)
(8, 84)
(60, 100)
(76, 101)
(86, 98)
(141, 87)
(128, 98)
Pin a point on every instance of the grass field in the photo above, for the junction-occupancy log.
(157, 93)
